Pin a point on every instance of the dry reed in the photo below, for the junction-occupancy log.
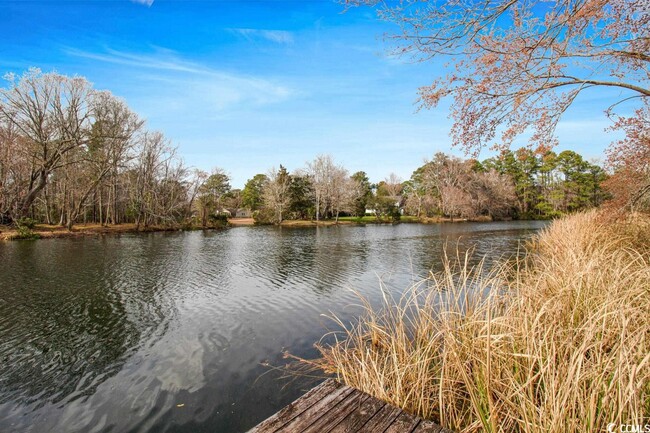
(558, 341)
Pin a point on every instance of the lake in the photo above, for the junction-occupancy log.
(185, 331)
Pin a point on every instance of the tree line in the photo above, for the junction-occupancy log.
(520, 184)
(72, 154)
(513, 68)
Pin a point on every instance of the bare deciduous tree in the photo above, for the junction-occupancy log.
(276, 192)
(344, 191)
(69, 153)
(52, 114)
(320, 170)
(111, 139)
(393, 185)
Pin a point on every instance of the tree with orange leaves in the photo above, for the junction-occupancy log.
(629, 160)
(517, 65)
(520, 64)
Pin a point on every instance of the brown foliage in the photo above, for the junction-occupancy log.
(629, 159)
(515, 65)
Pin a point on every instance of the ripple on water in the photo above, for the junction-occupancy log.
(112, 333)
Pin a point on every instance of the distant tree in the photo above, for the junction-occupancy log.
(443, 176)
(194, 189)
(393, 185)
(364, 193)
(111, 140)
(155, 182)
(329, 181)
(596, 181)
(233, 200)
(384, 203)
(211, 194)
(342, 192)
(629, 160)
(415, 197)
(301, 194)
(252, 192)
(320, 171)
(422, 194)
(452, 180)
(459, 188)
(52, 114)
(456, 202)
(70, 153)
(521, 165)
(13, 168)
(276, 192)
(548, 201)
(493, 194)
(581, 181)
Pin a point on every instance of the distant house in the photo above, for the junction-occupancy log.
(398, 203)
(243, 213)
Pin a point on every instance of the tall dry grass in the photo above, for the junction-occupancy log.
(557, 342)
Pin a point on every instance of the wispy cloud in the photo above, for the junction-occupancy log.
(277, 36)
(161, 59)
(215, 90)
(146, 3)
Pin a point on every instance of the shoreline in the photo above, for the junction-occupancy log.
(46, 231)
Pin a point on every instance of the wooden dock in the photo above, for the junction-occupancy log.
(335, 408)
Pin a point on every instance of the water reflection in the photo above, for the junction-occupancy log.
(114, 333)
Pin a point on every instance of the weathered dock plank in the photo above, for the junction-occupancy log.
(313, 415)
(335, 408)
(329, 389)
(404, 423)
(360, 416)
(337, 413)
(382, 419)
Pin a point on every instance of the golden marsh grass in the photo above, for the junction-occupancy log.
(556, 341)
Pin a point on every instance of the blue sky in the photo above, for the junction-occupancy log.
(247, 85)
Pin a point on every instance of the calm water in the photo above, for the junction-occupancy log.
(114, 333)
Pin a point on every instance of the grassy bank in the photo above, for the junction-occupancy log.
(351, 220)
(370, 219)
(47, 231)
(311, 223)
(558, 342)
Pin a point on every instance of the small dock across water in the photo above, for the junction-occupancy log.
(335, 408)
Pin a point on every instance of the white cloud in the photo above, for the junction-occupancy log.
(147, 3)
(161, 60)
(277, 36)
(181, 86)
